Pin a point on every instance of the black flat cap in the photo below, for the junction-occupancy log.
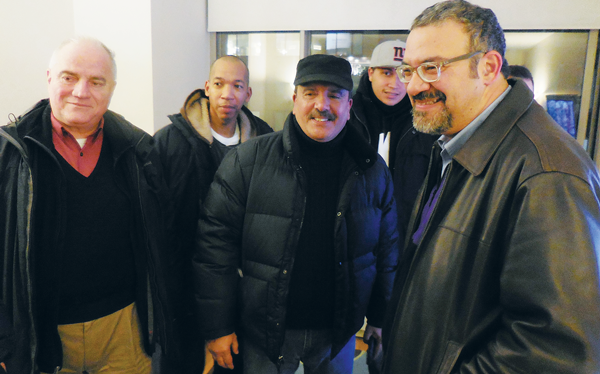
(324, 68)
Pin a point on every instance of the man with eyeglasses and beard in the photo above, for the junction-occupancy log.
(500, 274)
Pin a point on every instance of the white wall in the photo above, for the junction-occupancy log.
(29, 32)
(162, 51)
(278, 15)
(124, 26)
(180, 54)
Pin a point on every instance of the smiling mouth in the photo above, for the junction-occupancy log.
(429, 98)
(427, 102)
(81, 105)
(325, 116)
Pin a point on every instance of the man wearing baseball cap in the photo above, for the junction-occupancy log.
(382, 113)
(298, 237)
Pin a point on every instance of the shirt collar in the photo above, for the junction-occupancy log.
(60, 129)
(451, 146)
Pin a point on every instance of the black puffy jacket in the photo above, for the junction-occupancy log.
(252, 220)
(26, 156)
(189, 168)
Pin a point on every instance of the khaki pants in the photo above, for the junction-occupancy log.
(110, 344)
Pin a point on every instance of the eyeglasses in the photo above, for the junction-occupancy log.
(429, 71)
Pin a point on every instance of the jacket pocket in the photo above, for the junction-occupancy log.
(450, 356)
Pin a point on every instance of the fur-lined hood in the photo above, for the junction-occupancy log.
(196, 112)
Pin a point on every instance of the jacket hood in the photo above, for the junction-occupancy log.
(196, 112)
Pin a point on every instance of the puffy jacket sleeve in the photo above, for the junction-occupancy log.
(549, 287)
(387, 255)
(218, 249)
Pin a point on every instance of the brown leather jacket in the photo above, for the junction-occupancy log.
(505, 279)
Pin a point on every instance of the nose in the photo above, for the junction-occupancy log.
(416, 85)
(322, 103)
(227, 92)
(395, 81)
(81, 89)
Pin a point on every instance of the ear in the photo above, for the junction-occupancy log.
(206, 86)
(48, 76)
(294, 100)
(489, 67)
(249, 95)
(371, 71)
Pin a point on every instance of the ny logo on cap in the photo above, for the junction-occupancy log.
(398, 53)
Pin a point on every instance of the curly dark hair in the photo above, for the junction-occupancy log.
(480, 24)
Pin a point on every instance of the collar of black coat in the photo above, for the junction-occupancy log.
(122, 135)
(354, 145)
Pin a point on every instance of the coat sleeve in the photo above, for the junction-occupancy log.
(6, 335)
(549, 287)
(217, 251)
(387, 255)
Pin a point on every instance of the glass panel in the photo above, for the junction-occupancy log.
(557, 62)
(271, 60)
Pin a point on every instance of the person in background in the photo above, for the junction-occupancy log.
(211, 122)
(82, 230)
(500, 272)
(299, 232)
(381, 111)
(521, 72)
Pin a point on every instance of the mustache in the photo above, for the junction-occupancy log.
(426, 95)
(325, 114)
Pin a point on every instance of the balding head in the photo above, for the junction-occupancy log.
(233, 61)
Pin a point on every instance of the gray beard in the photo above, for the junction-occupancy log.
(439, 124)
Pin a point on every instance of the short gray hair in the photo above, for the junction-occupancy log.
(80, 39)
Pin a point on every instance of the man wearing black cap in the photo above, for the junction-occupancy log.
(298, 236)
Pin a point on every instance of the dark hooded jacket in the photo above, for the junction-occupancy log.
(29, 174)
(505, 278)
(252, 218)
(409, 149)
(184, 148)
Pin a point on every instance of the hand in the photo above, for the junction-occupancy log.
(373, 332)
(221, 348)
(3, 366)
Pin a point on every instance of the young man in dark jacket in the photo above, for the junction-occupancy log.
(211, 122)
(298, 237)
(82, 230)
(500, 274)
(381, 112)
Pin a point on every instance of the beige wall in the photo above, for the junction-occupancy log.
(269, 15)
(557, 64)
